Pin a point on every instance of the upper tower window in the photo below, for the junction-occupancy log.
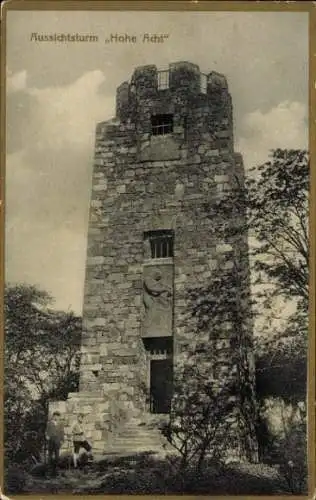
(160, 244)
(203, 83)
(163, 79)
(161, 124)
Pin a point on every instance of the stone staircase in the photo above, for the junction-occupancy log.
(139, 436)
(102, 418)
(110, 431)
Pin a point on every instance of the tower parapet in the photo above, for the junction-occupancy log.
(198, 104)
(180, 78)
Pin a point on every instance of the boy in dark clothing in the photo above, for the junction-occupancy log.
(55, 436)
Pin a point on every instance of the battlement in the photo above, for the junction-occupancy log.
(181, 79)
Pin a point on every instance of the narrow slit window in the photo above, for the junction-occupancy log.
(161, 124)
(185, 128)
(163, 80)
(161, 244)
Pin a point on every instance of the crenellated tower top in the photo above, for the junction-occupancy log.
(179, 105)
(179, 79)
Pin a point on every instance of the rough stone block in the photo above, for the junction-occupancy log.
(101, 186)
(212, 152)
(103, 349)
(223, 248)
(96, 260)
(103, 407)
(212, 264)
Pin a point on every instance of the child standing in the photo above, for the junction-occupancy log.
(79, 439)
(55, 436)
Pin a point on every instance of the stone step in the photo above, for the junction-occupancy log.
(147, 425)
(137, 432)
(135, 447)
(135, 451)
(138, 439)
(85, 394)
(135, 438)
(130, 437)
(88, 401)
(134, 431)
(152, 417)
(143, 439)
(141, 427)
(134, 435)
(148, 444)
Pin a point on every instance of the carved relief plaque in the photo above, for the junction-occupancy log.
(157, 300)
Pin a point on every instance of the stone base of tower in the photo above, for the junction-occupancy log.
(102, 417)
(114, 429)
(110, 428)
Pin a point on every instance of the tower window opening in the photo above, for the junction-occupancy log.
(161, 244)
(161, 124)
(163, 79)
(203, 83)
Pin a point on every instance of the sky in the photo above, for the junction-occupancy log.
(58, 92)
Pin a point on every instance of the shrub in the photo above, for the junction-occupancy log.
(287, 447)
(15, 479)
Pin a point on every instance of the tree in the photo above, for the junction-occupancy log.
(40, 344)
(213, 409)
(271, 206)
(281, 363)
(198, 421)
(277, 203)
(41, 356)
(275, 199)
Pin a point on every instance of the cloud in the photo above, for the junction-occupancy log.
(67, 115)
(16, 81)
(48, 182)
(46, 224)
(51, 258)
(55, 154)
(48, 187)
(283, 126)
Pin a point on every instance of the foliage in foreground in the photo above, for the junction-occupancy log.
(276, 200)
(146, 474)
(41, 363)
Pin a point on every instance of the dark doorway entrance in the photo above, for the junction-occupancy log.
(160, 385)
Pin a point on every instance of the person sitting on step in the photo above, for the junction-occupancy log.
(80, 440)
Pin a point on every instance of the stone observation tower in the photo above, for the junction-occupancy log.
(158, 165)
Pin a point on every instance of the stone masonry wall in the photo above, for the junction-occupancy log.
(133, 192)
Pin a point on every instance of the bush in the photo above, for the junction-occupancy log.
(287, 449)
(291, 452)
(15, 479)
